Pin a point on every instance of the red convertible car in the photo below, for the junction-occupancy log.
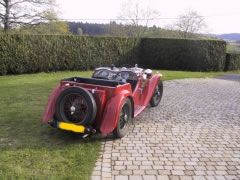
(107, 102)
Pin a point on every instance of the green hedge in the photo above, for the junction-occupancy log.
(232, 62)
(37, 53)
(44, 53)
(183, 54)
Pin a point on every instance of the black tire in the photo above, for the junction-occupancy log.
(76, 105)
(124, 119)
(157, 95)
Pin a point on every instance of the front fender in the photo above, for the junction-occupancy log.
(152, 83)
(111, 112)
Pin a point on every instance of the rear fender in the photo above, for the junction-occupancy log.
(111, 112)
(50, 107)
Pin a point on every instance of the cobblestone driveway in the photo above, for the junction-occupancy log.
(193, 134)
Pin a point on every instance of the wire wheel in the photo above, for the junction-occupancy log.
(76, 105)
(157, 95)
(125, 118)
(74, 108)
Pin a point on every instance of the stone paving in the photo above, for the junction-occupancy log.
(193, 134)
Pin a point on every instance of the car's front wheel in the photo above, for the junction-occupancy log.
(157, 95)
(124, 119)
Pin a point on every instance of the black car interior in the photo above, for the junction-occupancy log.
(103, 81)
(124, 76)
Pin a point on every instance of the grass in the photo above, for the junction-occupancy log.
(233, 48)
(169, 75)
(29, 148)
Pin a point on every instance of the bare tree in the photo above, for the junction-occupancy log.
(137, 16)
(14, 13)
(189, 23)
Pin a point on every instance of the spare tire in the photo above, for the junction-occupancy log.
(76, 105)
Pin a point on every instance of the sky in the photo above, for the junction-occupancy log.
(220, 16)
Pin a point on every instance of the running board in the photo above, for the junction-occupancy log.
(138, 110)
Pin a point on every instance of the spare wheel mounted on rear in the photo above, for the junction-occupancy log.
(76, 105)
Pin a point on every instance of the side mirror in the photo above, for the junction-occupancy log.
(148, 72)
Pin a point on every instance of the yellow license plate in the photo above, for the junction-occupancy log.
(71, 127)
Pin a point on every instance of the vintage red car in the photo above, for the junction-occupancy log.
(105, 103)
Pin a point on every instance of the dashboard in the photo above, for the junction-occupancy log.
(121, 75)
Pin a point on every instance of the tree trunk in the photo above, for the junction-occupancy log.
(6, 18)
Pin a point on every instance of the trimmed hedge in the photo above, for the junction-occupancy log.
(232, 62)
(183, 54)
(43, 53)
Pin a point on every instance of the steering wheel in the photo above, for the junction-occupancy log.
(115, 76)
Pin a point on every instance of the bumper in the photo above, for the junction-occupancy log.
(73, 127)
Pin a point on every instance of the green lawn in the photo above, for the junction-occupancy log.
(169, 75)
(29, 148)
(233, 48)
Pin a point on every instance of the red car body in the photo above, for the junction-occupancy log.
(108, 99)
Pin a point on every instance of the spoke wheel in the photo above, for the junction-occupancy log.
(74, 108)
(157, 95)
(125, 118)
(76, 105)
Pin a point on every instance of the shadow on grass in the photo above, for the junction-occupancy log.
(47, 152)
(43, 135)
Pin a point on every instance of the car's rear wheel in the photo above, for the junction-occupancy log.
(157, 95)
(124, 119)
(76, 105)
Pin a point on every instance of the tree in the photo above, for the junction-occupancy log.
(15, 13)
(117, 29)
(138, 17)
(189, 23)
(51, 27)
(79, 31)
